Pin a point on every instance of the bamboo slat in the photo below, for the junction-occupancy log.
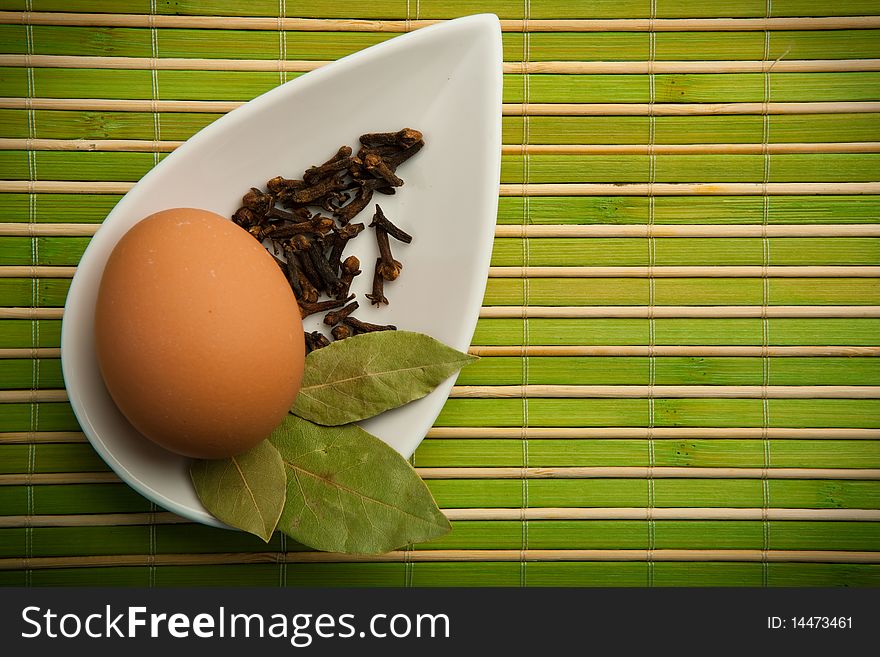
(437, 574)
(57, 478)
(560, 253)
(663, 149)
(531, 67)
(680, 189)
(654, 433)
(653, 472)
(551, 433)
(498, 515)
(594, 331)
(565, 169)
(803, 556)
(675, 109)
(36, 437)
(645, 312)
(661, 513)
(558, 472)
(569, 210)
(179, 538)
(596, 392)
(678, 312)
(662, 272)
(131, 145)
(671, 67)
(660, 351)
(610, 534)
(31, 313)
(532, 189)
(511, 231)
(705, 292)
(851, 133)
(92, 520)
(581, 392)
(34, 352)
(151, 146)
(37, 271)
(64, 187)
(473, 460)
(364, 25)
(594, 88)
(126, 105)
(32, 396)
(506, 9)
(508, 109)
(37, 230)
(545, 132)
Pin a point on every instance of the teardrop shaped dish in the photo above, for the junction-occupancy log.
(444, 80)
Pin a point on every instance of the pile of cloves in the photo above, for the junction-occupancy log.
(313, 244)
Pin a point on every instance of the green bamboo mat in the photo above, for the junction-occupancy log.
(679, 383)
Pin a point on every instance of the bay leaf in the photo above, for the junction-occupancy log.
(362, 376)
(245, 491)
(347, 491)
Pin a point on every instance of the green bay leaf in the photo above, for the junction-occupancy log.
(245, 491)
(362, 376)
(347, 491)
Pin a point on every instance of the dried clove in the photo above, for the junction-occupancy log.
(260, 205)
(283, 215)
(341, 332)
(333, 201)
(326, 274)
(291, 271)
(356, 167)
(386, 267)
(308, 195)
(340, 161)
(300, 213)
(383, 150)
(310, 292)
(403, 138)
(396, 159)
(335, 316)
(246, 218)
(310, 341)
(383, 222)
(377, 297)
(317, 224)
(258, 201)
(341, 238)
(376, 166)
(366, 327)
(306, 265)
(307, 309)
(315, 340)
(361, 200)
(350, 269)
(279, 185)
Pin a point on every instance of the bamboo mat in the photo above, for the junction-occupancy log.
(679, 383)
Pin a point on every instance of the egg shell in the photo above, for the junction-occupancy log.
(198, 335)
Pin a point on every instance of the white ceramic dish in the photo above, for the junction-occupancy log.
(444, 80)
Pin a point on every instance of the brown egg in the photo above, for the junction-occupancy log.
(198, 334)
